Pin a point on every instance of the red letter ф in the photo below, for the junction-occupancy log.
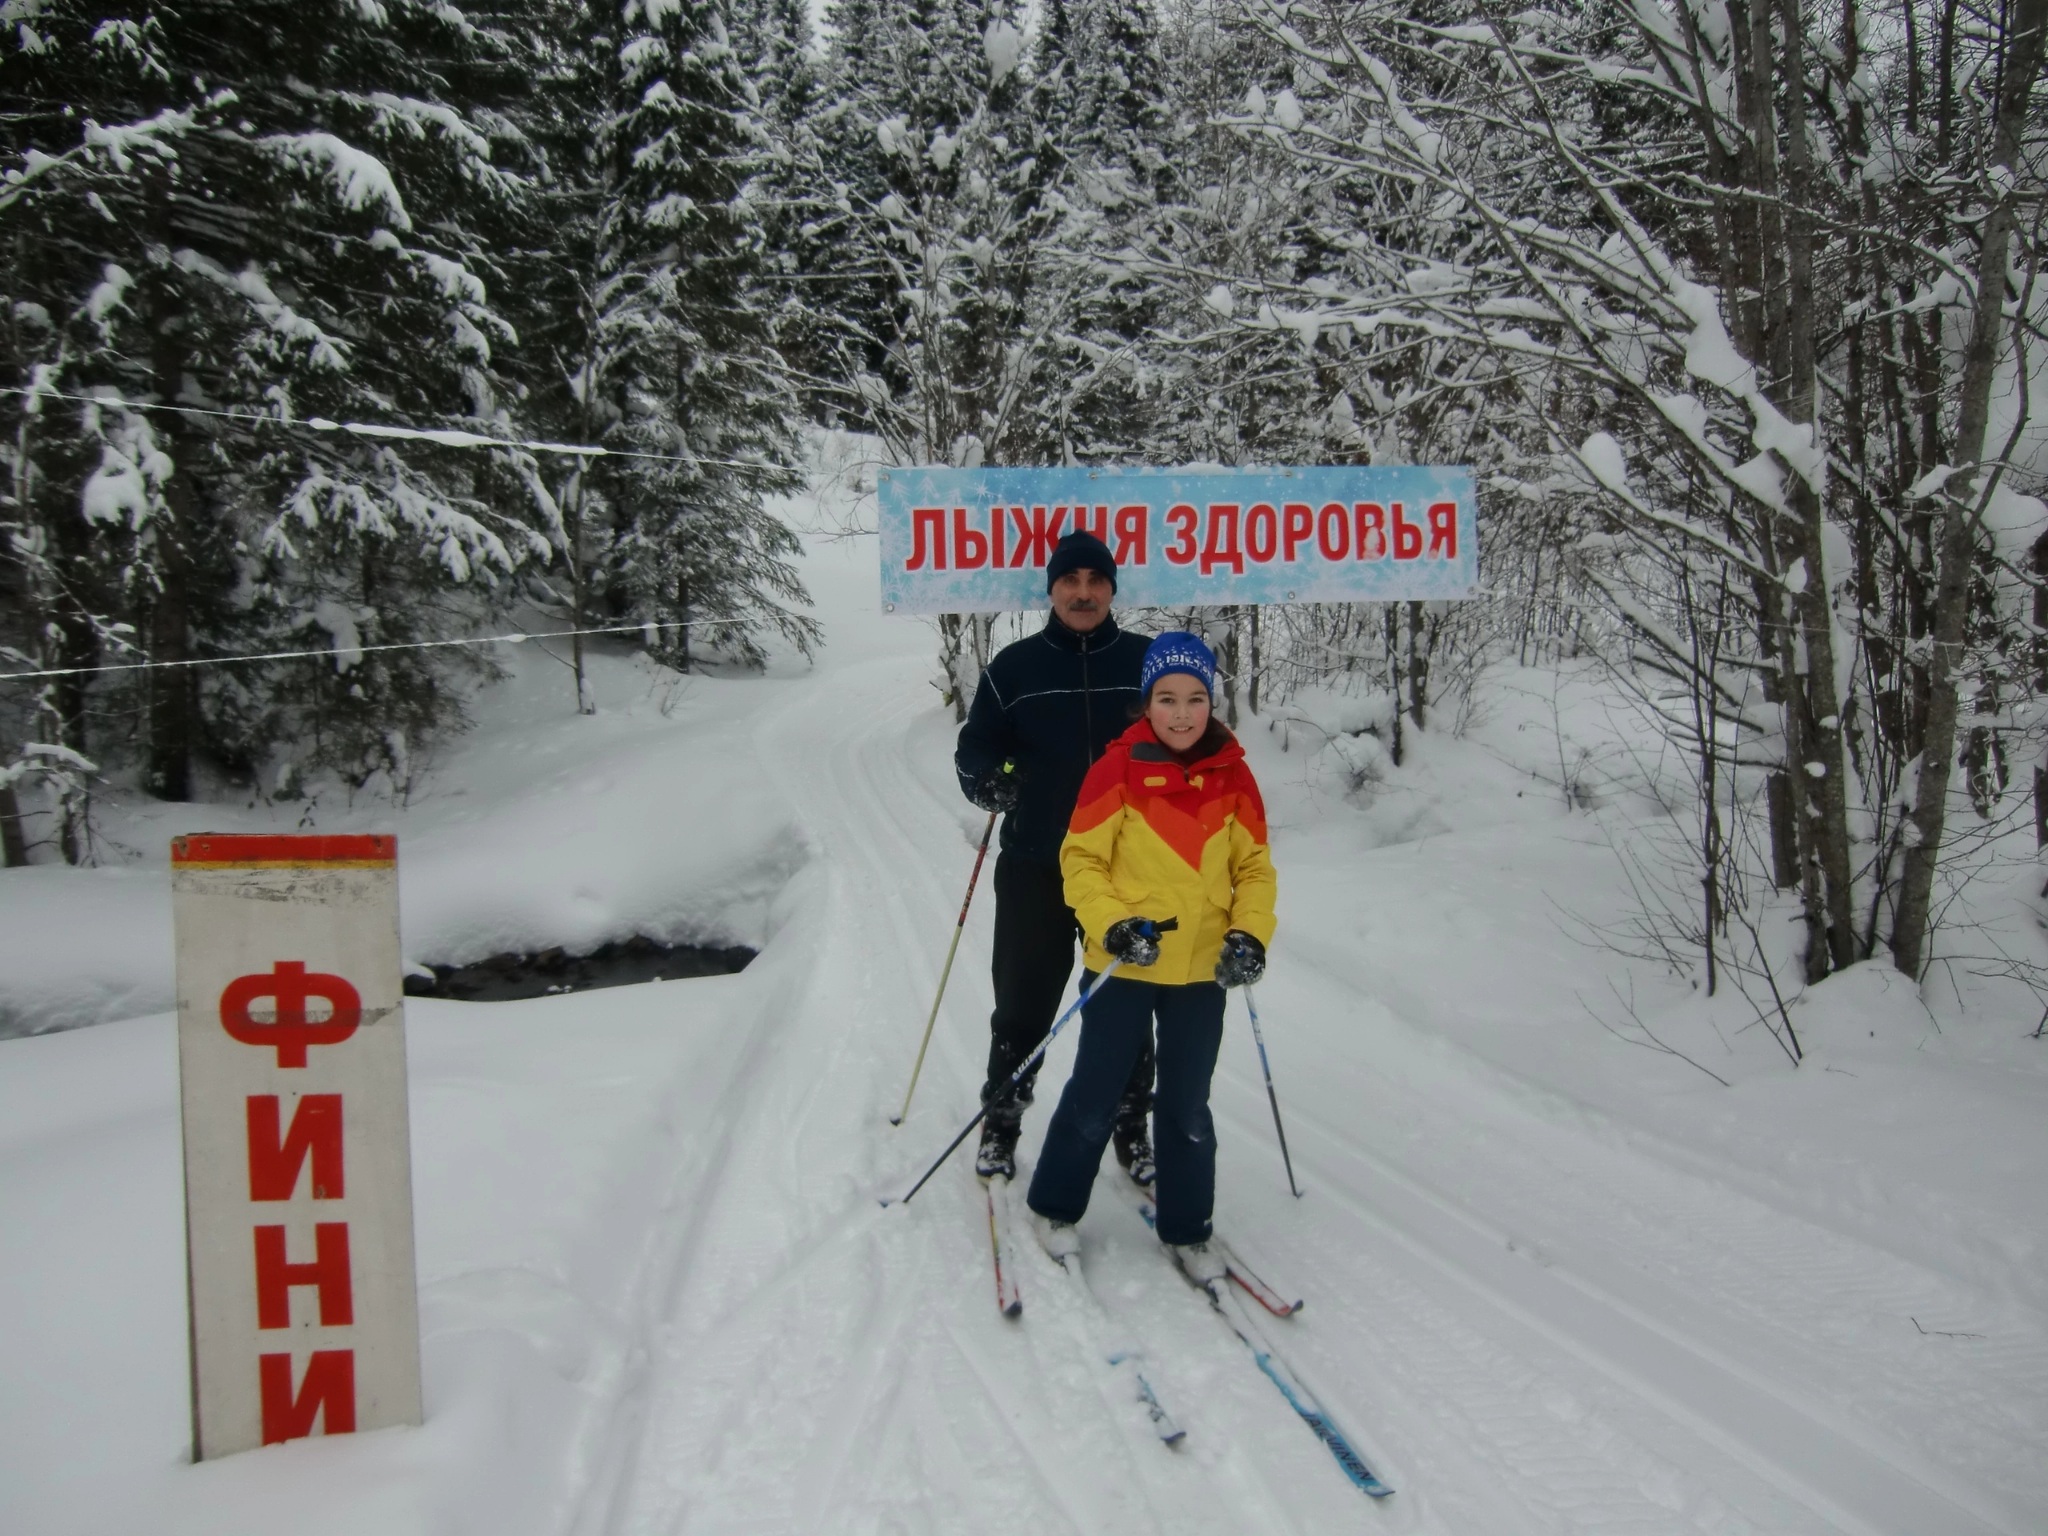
(290, 987)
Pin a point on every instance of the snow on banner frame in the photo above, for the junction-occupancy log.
(977, 540)
(298, 1177)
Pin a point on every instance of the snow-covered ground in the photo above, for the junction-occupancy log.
(1557, 1282)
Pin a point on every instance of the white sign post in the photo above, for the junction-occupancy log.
(298, 1166)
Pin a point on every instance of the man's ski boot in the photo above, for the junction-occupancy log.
(997, 1157)
(1133, 1143)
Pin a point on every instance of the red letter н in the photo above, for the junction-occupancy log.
(328, 1272)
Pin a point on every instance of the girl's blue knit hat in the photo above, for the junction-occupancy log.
(1178, 651)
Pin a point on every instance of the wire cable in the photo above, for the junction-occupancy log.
(446, 437)
(514, 638)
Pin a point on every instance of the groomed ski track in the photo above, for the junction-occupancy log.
(806, 1361)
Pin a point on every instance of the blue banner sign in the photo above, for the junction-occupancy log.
(976, 540)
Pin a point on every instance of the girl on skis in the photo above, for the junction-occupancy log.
(1169, 825)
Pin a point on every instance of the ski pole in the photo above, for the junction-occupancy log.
(1029, 1062)
(952, 950)
(1271, 1097)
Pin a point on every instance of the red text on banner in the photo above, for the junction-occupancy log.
(1219, 543)
(1333, 531)
(1296, 520)
(1035, 535)
(970, 545)
(927, 539)
(1372, 531)
(1443, 530)
(1262, 533)
(1407, 535)
(1130, 535)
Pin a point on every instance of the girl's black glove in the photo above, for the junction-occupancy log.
(1243, 960)
(1135, 941)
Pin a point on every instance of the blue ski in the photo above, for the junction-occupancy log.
(1270, 1361)
(1299, 1398)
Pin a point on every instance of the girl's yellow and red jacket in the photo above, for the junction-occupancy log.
(1153, 838)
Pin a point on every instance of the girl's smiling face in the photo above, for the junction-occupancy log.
(1178, 710)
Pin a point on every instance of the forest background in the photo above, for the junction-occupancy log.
(1733, 307)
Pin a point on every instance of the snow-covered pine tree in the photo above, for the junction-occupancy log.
(796, 208)
(647, 297)
(1106, 128)
(255, 213)
(929, 135)
(930, 142)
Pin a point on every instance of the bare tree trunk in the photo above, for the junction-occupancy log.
(1391, 618)
(1228, 663)
(1418, 668)
(173, 690)
(1822, 769)
(13, 845)
(1965, 495)
(1252, 661)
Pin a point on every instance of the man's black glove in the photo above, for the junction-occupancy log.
(1243, 960)
(1135, 941)
(996, 790)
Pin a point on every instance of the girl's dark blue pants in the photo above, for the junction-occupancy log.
(1116, 1025)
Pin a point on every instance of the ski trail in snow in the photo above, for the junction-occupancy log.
(1641, 1317)
(810, 1362)
(802, 1333)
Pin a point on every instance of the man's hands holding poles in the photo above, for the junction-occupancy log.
(996, 791)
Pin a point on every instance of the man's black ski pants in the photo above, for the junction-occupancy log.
(1034, 955)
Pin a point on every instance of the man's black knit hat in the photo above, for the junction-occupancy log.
(1080, 551)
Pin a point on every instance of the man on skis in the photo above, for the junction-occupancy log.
(1046, 708)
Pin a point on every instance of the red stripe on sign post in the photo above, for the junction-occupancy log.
(272, 850)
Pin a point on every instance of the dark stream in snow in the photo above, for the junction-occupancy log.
(504, 978)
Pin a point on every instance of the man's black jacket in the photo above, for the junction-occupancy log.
(1049, 703)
